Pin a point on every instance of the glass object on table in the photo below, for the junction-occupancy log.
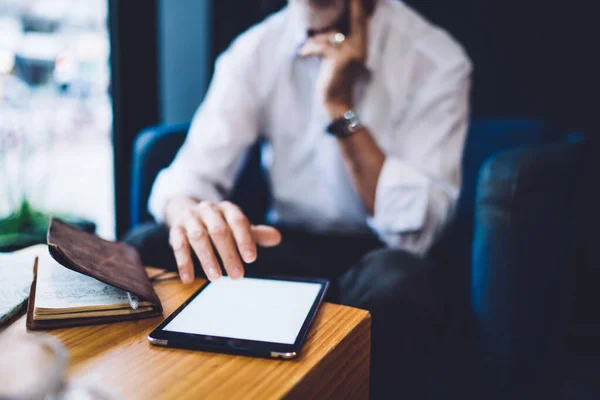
(34, 367)
(31, 366)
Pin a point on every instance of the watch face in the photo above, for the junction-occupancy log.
(350, 115)
(345, 126)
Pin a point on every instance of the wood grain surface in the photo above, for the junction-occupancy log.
(334, 362)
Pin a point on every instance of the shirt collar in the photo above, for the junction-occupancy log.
(375, 32)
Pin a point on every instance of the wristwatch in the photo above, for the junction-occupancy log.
(345, 126)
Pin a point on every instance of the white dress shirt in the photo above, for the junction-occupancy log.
(415, 102)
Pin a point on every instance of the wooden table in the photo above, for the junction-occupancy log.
(334, 362)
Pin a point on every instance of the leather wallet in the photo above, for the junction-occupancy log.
(114, 263)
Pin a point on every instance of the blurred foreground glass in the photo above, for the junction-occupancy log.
(31, 366)
(34, 367)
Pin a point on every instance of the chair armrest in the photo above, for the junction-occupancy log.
(486, 137)
(523, 267)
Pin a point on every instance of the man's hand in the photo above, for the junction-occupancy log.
(342, 63)
(206, 227)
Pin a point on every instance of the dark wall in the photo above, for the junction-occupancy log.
(229, 24)
(531, 57)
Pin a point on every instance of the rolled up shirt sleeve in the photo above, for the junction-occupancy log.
(224, 127)
(419, 184)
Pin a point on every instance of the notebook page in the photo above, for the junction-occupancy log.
(16, 274)
(58, 287)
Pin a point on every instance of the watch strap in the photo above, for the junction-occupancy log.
(345, 126)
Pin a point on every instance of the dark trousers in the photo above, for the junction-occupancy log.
(404, 293)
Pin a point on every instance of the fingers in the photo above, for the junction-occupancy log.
(223, 227)
(266, 236)
(318, 46)
(358, 18)
(199, 240)
(222, 237)
(181, 250)
(241, 229)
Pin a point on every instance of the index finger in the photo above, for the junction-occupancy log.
(181, 250)
(358, 18)
(242, 233)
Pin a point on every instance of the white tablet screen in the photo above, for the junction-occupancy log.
(250, 309)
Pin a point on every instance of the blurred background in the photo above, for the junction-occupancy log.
(80, 79)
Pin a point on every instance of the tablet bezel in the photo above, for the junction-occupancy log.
(239, 346)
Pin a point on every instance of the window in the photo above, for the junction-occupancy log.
(55, 110)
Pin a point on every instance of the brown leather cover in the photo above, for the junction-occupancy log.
(114, 263)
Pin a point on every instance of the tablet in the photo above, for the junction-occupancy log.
(264, 317)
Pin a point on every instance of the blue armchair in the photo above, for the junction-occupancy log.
(524, 269)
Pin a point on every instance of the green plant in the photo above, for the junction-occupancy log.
(24, 219)
(25, 226)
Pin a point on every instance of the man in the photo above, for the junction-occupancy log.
(364, 107)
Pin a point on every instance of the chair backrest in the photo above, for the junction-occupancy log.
(486, 137)
(153, 149)
(156, 147)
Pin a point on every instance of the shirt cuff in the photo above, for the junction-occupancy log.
(401, 199)
(169, 185)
